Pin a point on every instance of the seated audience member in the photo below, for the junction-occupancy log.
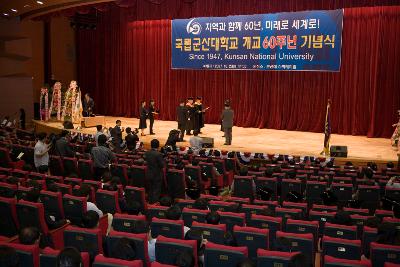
(394, 182)
(33, 195)
(201, 242)
(185, 259)
(388, 234)
(246, 263)
(166, 201)
(299, 260)
(229, 239)
(124, 249)
(69, 257)
(174, 213)
(84, 191)
(133, 207)
(196, 143)
(102, 157)
(213, 217)
(201, 204)
(142, 227)
(131, 139)
(342, 218)
(8, 257)
(29, 236)
(106, 178)
(90, 219)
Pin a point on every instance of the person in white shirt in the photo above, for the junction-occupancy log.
(84, 191)
(143, 227)
(196, 143)
(99, 132)
(41, 154)
(394, 182)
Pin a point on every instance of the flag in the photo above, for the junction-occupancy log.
(328, 129)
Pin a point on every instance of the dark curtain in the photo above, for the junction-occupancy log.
(128, 57)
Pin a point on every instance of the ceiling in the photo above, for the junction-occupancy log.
(26, 9)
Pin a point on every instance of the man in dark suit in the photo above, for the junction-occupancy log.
(117, 136)
(152, 113)
(181, 115)
(227, 123)
(155, 165)
(88, 105)
(131, 139)
(62, 147)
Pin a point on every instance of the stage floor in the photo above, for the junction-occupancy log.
(360, 148)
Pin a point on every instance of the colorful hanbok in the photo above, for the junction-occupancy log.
(55, 105)
(44, 104)
(72, 109)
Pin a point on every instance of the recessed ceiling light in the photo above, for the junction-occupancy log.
(14, 10)
(5, 14)
(39, 2)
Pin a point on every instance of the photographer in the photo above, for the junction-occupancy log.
(173, 137)
(131, 138)
(100, 131)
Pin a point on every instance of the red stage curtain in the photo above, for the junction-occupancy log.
(127, 59)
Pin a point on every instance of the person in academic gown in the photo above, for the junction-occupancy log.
(181, 116)
(143, 117)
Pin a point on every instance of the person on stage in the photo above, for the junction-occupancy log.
(55, 105)
(396, 135)
(227, 123)
(151, 112)
(191, 112)
(181, 115)
(88, 105)
(44, 104)
(143, 117)
(199, 114)
(73, 104)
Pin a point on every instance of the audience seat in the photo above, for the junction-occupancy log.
(167, 228)
(303, 227)
(314, 190)
(266, 222)
(137, 176)
(341, 248)
(85, 240)
(52, 202)
(300, 242)
(381, 253)
(190, 215)
(290, 185)
(168, 248)
(273, 258)
(9, 221)
(86, 169)
(322, 217)
(140, 241)
(74, 208)
(231, 219)
(136, 194)
(340, 231)
(56, 166)
(243, 186)
(223, 256)
(70, 166)
(125, 222)
(252, 238)
(216, 205)
(176, 184)
(343, 192)
(48, 258)
(28, 254)
(107, 201)
(101, 261)
(121, 171)
(213, 233)
(270, 183)
(336, 262)
(156, 211)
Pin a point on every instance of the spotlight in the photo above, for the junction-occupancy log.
(14, 10)
(6, 14)
(39, 2)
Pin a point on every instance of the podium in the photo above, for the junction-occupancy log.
(93, 121)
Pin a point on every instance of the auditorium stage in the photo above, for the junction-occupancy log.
(360, 148)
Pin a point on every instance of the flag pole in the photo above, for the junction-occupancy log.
(327, 129)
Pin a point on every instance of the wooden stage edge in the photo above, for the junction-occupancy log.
(360, 148)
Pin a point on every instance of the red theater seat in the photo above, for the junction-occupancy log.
(381, 253)
(273, 258)
(252, 238)
(28, 254)
(223, 256)
(48, 257)
(101, 261)
(335, 262)
(168, 248)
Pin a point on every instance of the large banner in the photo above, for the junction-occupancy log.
(308, 40)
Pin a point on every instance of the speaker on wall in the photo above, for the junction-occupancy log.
(338, 151)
